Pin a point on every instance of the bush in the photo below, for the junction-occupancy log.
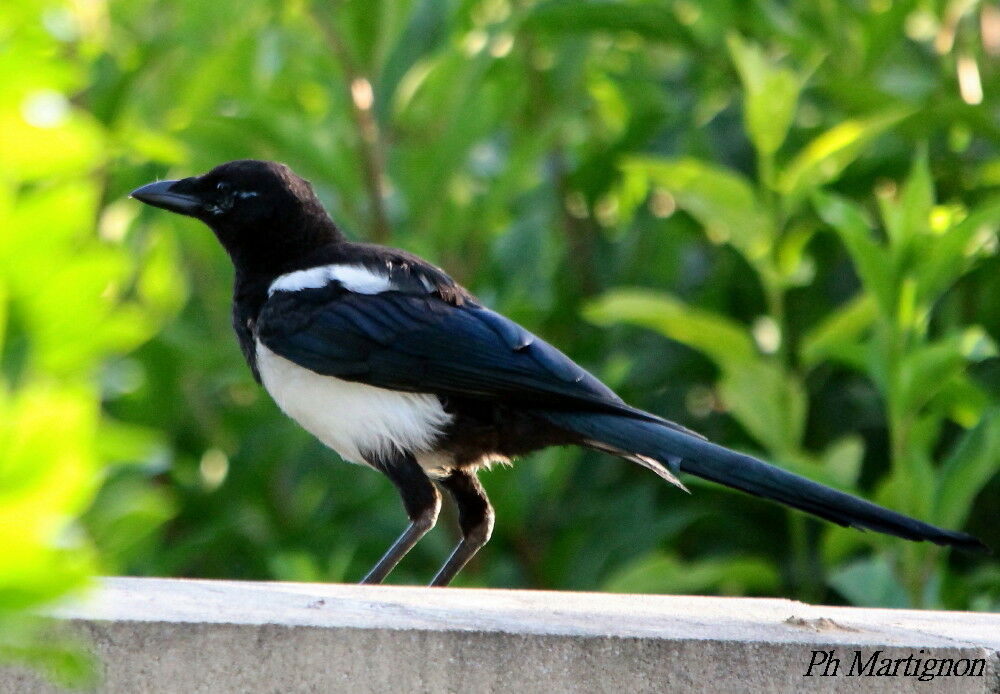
(775, 224)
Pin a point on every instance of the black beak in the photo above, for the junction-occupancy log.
(162, 194)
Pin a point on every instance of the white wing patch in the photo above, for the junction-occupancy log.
(355, 278)
(349, 417)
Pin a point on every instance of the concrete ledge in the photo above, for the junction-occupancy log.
(158, 635)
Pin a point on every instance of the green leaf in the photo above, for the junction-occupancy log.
(769, 402)
(126, 517)
(47, 476)
(653, 21)
(915, 203)
(824, 158)
(794, 266)
(838, 336)
(424, 31)
(770, 94)
(870, 583)
(951, 253)
(842, 459)
(665, 573)
(840, 544)
(976, 344)
(972, 464)
(925, 370)
(962, 401)
(911, 486)
(725, 342)
(722, 201)
(870, 260)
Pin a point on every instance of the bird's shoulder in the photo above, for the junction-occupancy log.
(363, 289)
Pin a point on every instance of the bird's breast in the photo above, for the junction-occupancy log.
(356, 420)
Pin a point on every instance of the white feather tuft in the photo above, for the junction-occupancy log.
(354, 278)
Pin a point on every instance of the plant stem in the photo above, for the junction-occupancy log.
(807, 587)
(902, 467)
(580, 232)
(361, 95)
(806, 584)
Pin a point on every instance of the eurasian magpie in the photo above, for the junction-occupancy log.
(389, 362)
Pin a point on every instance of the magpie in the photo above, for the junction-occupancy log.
(392, 364)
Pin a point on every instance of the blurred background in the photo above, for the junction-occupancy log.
(774, 222)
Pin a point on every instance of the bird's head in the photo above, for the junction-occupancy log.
(261, 211)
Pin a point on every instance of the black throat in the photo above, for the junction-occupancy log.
(280, 243)
(295, 235)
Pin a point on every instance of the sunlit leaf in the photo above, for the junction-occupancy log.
(824, 158)
(794, 265)
(957, 247)
(770, 94)
(725, 342)
(842, 459)
(28, 152)
(47, 476)
(426, 27)
(722, 201)
(915, 203)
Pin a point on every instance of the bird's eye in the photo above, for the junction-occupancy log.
(223, 199)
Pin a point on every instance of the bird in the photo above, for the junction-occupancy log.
(388, 361)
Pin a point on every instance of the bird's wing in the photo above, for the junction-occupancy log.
(418, 342)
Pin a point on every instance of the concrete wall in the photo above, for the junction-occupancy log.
(154, 635)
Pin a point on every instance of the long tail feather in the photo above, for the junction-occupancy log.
(677, 451)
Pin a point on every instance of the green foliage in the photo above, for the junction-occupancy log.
(770, 95)
(884, 331)
(667, 574)
(824, 158)
(782, 218)
(72, 295)
(924, 250)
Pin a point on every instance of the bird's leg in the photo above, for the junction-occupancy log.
(475, 517)
(421, 501)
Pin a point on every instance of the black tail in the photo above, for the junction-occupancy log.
(678, 451)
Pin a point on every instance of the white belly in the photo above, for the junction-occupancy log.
(353, 419)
